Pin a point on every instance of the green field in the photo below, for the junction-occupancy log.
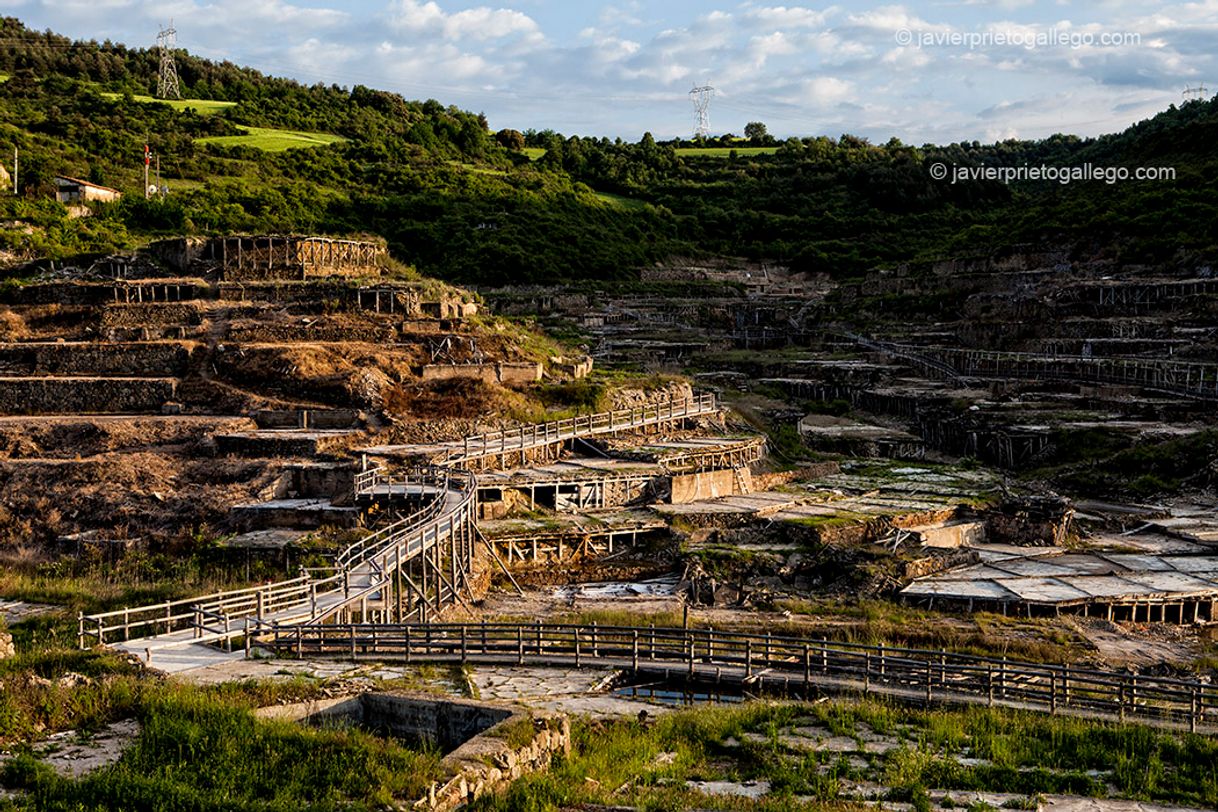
(723, 152)
(535, 153)
(620, 200)
(271, 140)
(204, 107)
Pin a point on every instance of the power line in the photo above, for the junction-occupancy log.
(167, 76)
(1195, 93)
(702, 97)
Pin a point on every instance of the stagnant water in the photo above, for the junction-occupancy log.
(678, 692)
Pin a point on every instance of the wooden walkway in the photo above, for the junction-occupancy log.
(412, 569)
(801, 666)
(501, 449)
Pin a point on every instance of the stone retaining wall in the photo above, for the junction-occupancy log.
(480, 736)
(308, 418)
(85, 395)
(81, 358)
(505, 373)
(153, 315)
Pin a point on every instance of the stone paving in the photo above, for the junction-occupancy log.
(72, 754)
(12, 612)
(350, 674)
(578, 691)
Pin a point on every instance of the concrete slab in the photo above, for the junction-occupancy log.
(1033, 567)
(1193, 563)
(1175, 582)
(1068, 577)
(274, 539)
(977, 590)
(1099, 586)
(1042, 590)
(1139, 563)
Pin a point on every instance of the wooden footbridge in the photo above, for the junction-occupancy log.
(793, 665)
(410, 570)
(527, 444)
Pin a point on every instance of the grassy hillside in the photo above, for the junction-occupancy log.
(248, 152)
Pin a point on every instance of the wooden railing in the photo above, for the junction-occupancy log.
(541, 434)
(373, 557)
(793, 663)
(416, 478)
(212, 616)
(169, 616)
(1195, 379)
(437, 479)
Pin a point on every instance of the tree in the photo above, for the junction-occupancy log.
(510, 139)
(756, 131)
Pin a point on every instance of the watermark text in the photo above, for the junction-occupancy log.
(1056, 174)
(1017, 38)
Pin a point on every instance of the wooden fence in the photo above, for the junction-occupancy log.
(798, 664)
(536, 435)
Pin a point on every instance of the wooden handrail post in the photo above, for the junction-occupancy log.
(930, 678)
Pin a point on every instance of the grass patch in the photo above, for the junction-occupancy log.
(517, 732)
(724, 152)
(631, 203)
(625, 763)
(204, 107)
(204, 750)
(534, 153)
(272, 140)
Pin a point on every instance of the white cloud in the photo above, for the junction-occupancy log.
(799, 67)
(481, 23)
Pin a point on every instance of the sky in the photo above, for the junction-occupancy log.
(924, 72)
